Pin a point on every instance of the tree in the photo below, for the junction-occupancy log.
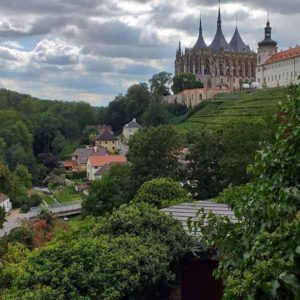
(161, 192)
(23, 177)
(160, 84)
(204, 169)
(156, 113)
(8, 183)
(114, 189)
(260, 254)
(185, 81)
(126, 255)
(152, 153)
(2, 217)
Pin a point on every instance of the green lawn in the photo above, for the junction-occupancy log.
(67, 194)
(225, 108)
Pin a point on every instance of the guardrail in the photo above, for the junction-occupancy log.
(34, 211)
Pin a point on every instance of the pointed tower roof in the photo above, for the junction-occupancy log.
(267, 41)
(219, 41)
(237, 43)
(200, 44)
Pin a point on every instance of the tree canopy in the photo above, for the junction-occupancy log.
(185, 81)
(127, 255)
(260, 254)
(161, 192)
(152, 153)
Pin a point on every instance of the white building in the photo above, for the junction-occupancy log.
(5, 202)
(130, 129)
(276, 69)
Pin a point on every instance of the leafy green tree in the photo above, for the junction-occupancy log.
(204, 169)
(23, 177)
(161, 192)
(156, 113)
(241, 141)
(160, 84)
(260, 254)
(127, 255)
(112, 190)
(7, 181)
(2, 217)
(152, 153)
(185, 81)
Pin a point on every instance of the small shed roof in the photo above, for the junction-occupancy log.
(183, 211)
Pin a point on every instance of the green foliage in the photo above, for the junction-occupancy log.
(204, 169)
(156, 113)
(128, 255)
(27, 202)
(160, 84)
(260, 252)
(185, 81)
(23, 177)
(2, 217)
(161, 192)
(152, 153)
(114, 189)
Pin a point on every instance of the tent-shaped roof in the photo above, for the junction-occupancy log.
(237, 43)
(219, 41)
(200, 44)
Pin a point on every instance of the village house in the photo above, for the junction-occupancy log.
(5, 202)
(130, 129)
(108, 141)
(80, 157)
(97, 165)
(98, 129)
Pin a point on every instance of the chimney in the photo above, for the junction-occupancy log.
(134, 120)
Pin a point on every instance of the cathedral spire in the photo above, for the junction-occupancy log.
(219, 42)
(200, 27)
(200, 44)
(219, 15)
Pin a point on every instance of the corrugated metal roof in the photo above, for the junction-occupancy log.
(182, 212)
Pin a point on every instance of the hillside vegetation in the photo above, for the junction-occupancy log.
(236, 107)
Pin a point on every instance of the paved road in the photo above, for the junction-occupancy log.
(14, 220)
(123, 148)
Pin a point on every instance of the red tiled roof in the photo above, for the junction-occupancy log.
(68, 163)
(284, 55)
(99, 161)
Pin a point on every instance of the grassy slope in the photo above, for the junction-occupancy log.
(235, 107)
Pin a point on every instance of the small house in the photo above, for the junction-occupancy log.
(5, 202)
(79, 158)
(108, 141)
(98, 165)
(130, 129)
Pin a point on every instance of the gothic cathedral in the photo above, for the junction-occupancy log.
(220, 65)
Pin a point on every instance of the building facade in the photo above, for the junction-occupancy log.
(276, 69)
(5, 202)
(221, 64)
(97, 165)
(108, 141)
(130, 129)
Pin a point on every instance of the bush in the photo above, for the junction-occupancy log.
(161, 192)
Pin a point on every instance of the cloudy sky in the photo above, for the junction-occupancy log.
(92, 50)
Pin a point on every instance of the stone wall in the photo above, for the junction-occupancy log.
(191, 98)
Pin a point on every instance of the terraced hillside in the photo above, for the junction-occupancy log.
(235, 107)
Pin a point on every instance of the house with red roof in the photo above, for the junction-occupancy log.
(97, 165)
